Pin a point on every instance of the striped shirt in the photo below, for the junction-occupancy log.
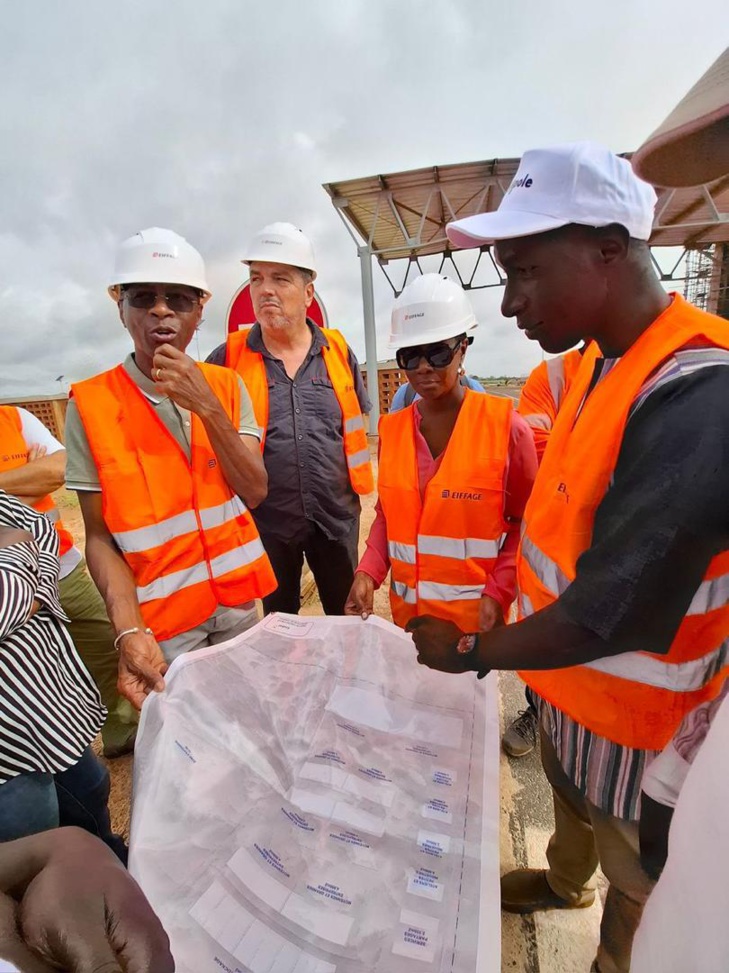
(50, 709)
(610, 775)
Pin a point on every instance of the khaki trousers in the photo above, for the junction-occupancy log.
(93, 637)
(225, 623)
(584, 836)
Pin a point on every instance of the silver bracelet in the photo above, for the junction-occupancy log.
(130, 631)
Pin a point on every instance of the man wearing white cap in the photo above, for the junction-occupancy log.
(165, 457)
(624, 559)
(308, 397)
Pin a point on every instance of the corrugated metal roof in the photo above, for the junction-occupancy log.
(404, 214)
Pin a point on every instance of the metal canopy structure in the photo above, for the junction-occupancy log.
(402, 216)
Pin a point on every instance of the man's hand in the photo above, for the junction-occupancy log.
(178, 377)
(141, 667)
(36, 451)
(361, 597)
(653, 828)
(436, 641)
(78, 909)
(490, 614)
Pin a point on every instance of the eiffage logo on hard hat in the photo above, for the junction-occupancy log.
(419, 314)
(158, 253)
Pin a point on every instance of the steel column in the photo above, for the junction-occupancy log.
(368, 305)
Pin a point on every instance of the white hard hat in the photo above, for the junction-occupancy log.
(157, 256)
(431, 308)
(281, 243)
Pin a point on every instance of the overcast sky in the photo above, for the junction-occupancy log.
(215, 118)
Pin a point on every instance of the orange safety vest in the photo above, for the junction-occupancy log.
(546, 388)
(252, 369)
(14, 453)
(443, 548)
(636, 699)
(189, 541)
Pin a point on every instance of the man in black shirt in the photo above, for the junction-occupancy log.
(628, 513)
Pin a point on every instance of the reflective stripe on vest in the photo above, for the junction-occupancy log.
(556, 378)
(710, 595)
(177, 581)
(437, 591)
(442, 547)
(252, 369)
(677, 677)
(407, 594)
(402, 552)
(459, 548)
(144, 538)
(190, 543)
(636, 699)
(547, 570)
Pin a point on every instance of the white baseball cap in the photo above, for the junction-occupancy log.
(580, 182)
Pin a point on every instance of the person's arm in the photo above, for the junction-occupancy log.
(371, 570)
(45, 468)
(66, 902)
(141, 662)
(655, 531)
(239, 456)
(500, 589)
(537, 406)
(41, 475)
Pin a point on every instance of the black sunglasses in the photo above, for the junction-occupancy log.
(437, 355)
(177, 301)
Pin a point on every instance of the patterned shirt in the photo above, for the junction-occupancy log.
(50, 709)
(663, 518)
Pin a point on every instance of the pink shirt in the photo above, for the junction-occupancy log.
(519, 473)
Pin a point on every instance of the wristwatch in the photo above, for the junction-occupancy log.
(466, 643)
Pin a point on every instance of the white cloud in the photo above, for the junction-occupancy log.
(215, 119)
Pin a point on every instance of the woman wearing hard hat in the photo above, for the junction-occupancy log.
(455, 471)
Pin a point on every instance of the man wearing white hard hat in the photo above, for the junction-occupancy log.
(687, 788)
(455, 471)
(624, 556)
(309, 400)
(165, 457)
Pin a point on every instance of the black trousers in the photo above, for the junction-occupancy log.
(332, 563)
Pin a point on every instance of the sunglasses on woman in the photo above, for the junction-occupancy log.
(438, 355)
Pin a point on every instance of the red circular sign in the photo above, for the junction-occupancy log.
(241, 314)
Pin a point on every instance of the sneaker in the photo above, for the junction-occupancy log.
(520, 738)
(526, 890)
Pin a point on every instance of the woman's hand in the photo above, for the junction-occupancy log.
(361, 596)
(490, 614)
